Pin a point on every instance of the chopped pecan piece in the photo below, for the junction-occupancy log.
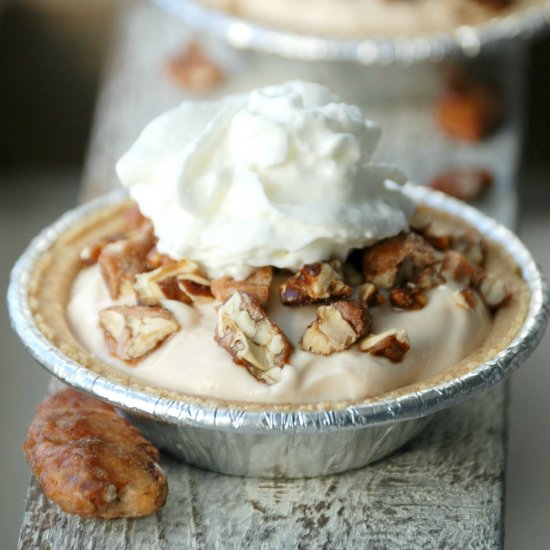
(429, 278)
(468, 108)
(371, 295)
(90, 253)
(465, 298)
(121, 261)
(494, 291)
(337, 327)
(257, 285)
(245, 331)
(318, 282)
(181, 281)
(131, 332)
(471, 245)
(466, 185)
(193, 70)
(155, 259)
(396, 260)
(392, 344)
(456, 266)
(438, 237)
(408, 298)
(134, 218)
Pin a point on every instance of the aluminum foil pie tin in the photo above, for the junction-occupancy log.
(263, 442)
(376, 50)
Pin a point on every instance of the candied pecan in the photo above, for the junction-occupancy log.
(420, 221)
(396, 260)
(156, 259)
(468, 108)
(409, 297)
(465, 184)
(429, 278)
(465, 298)
(471, 245)
(131, 332)
(244, 330)
(392, 344)
(121, 261)
(90, 253)
(318, 282)
(337, 327)
(193, 70)
(257, 285)
(456, 266)
(371, 295)
(91, 461)
(494, 291)
(133, 217)
(181, 281)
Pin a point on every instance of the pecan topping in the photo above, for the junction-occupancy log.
(181, 281)
(466, 185)
(429, 278)
(409, 298)
(337, 327)
(122, 260)
(257, 285)
(392, 344)
(471, 245)
(494, 291)
(244, 330)
(318, 282)
(465, 298)
(420, 221)
(456, 266)
(371, 295)
(155, 259)
(193, 70)
(90, 253)
(397, 260)
(131, 332)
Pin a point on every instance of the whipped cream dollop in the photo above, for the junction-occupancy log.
(280, 176)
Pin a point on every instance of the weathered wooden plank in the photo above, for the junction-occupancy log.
(445, 488)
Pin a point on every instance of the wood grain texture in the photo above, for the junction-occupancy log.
(445, 488)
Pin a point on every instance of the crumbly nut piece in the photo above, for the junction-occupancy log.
(465, 184)
(90, 253)
(429, 278)
(408, 298)
(397, 260)
(131, 332)
(257, 285)
(371, 295)
(468, 108)
(351, 276)
(181, 281)
(456, 266)
(318, 282)
(438, 237)
(392, 344)
(494, 291)
(122, 260)
(471, 245)
(92, 462)
(133, 218)
(337, 327)
(193, 70)
(156, 259)
(465, 298)
(245, 331)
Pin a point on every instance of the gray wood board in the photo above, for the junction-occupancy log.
(445, 488)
